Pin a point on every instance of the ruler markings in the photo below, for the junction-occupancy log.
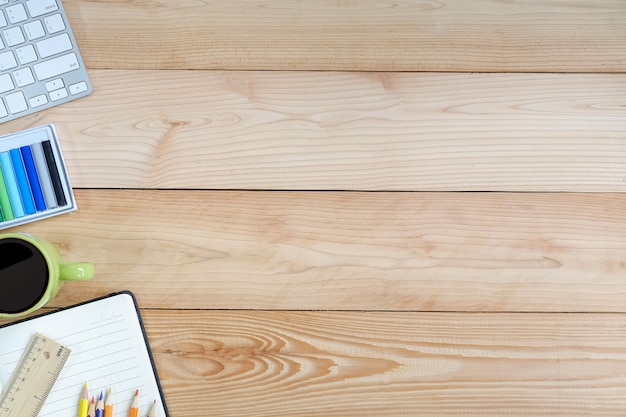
(33, 378)
(103, 332)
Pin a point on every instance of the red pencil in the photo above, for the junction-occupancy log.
(92, 408)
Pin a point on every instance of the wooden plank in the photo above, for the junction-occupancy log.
(340, 364)
(345, 131)
(406, 35)
(349, 251)
(393, 364)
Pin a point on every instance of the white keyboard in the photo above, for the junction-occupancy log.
(40, 65)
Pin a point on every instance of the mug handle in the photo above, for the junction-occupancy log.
(74, 271)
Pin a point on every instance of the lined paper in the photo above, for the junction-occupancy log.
(108, 351)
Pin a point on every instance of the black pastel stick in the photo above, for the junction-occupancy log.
(54, 173)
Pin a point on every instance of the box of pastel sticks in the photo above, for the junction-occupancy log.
(34, 183)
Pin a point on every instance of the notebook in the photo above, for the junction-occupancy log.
(109, 349)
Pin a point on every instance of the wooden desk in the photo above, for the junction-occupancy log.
(283, 185)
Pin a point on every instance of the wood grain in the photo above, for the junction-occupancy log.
(345, 131)
(399, 35)
(249, 170)
(348, 251)
(400, 364)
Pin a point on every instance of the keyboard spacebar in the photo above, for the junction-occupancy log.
(56, 66)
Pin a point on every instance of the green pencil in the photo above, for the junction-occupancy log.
(5, 201)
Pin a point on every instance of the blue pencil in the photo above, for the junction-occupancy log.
(22, 181)
(33, 178)
(100, 406)
(11, 183)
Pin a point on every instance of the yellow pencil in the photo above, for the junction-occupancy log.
(108, 404)
(83, 403)
(134, 407)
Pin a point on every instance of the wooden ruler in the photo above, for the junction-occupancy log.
(33, 378)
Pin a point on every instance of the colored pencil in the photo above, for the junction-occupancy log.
(83, 403)
(92, 408)
(134, 407)
(100, 406)
(108, 404)
(152, 412)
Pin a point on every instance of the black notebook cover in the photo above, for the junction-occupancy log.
(109, 350)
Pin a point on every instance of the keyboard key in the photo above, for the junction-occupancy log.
(55, 66)
(54, 23)
(23, 77)
(78, 88)
(34, 30)
(54, 84)
(16, 102)
(16, 13)
(41, 7)
(6, 83)
(58, 94)
(26, 54)
(54, 45)
(7, 61)
(38, 101)
(14, 36)
(37, 50)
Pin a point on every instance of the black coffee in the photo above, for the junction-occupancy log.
(23, 275)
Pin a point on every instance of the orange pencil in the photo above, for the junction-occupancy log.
(134, 407)
(108, 404)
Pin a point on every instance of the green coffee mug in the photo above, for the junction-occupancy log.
(32, 273)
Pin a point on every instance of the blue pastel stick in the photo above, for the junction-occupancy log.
(33, 178)
(11, 183)
(22, 181)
